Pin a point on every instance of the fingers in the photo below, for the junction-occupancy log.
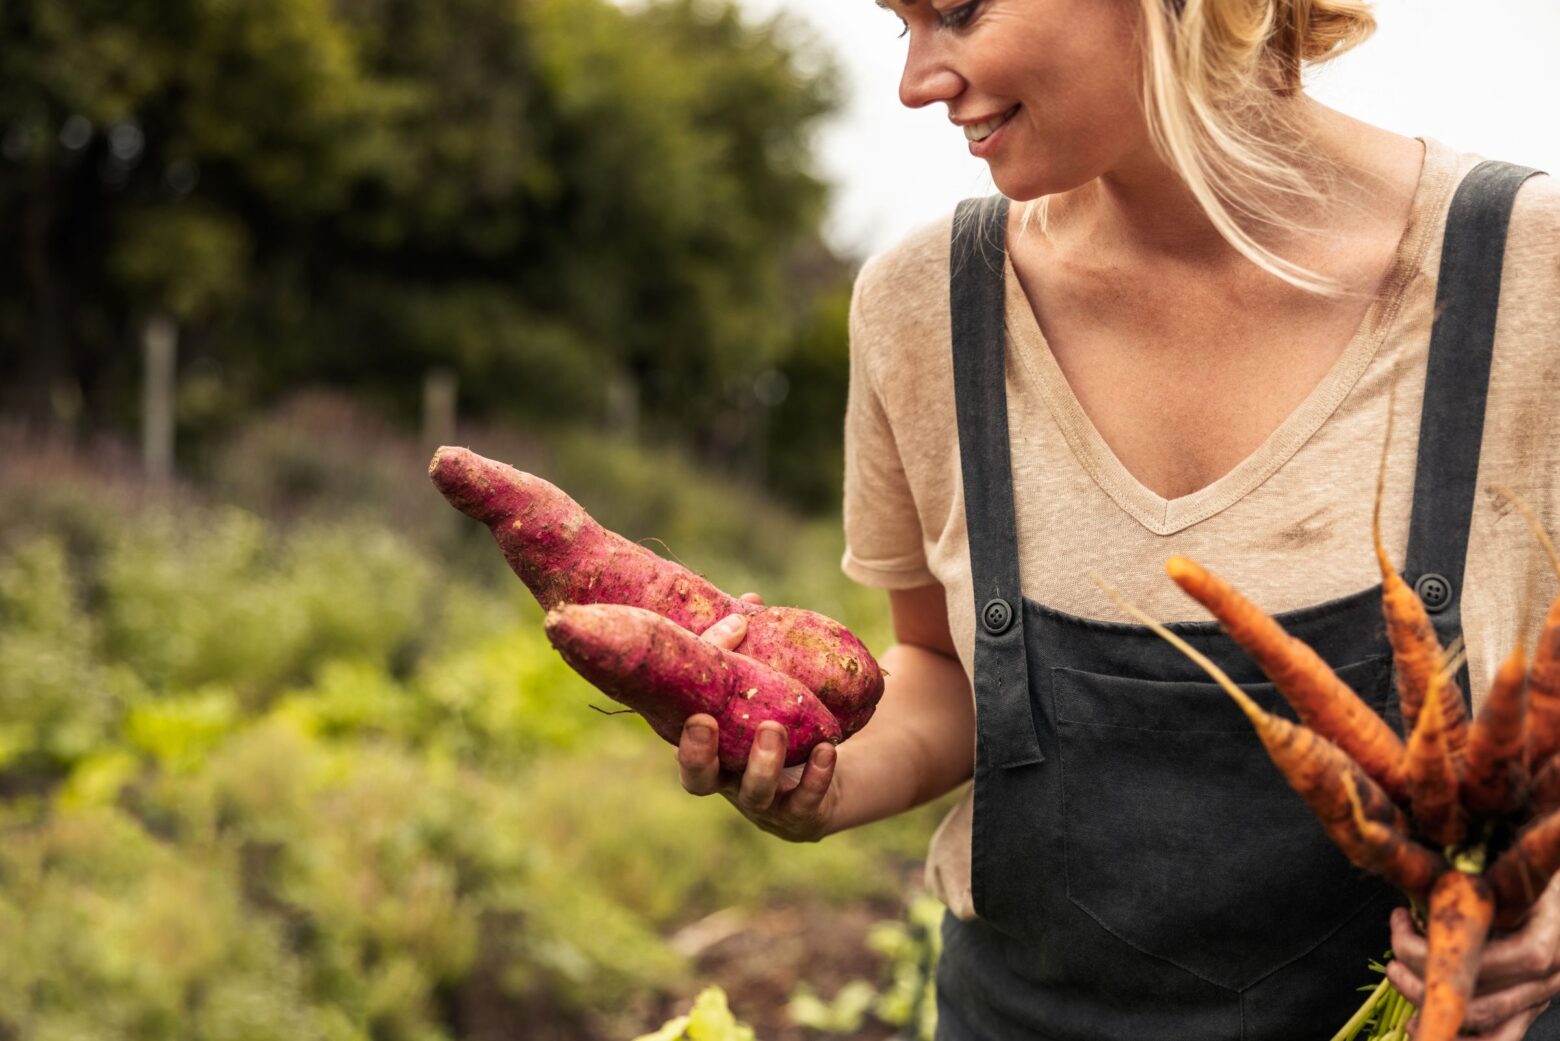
(727, 633)
(1492, 1012)
(731, 630)
(788, 802)
(804, 804)
(1408, 943)
(697, 755)
(761, 779)
(1513, 1029)
(1517, 973)
(1528, 953)
(1407, 982)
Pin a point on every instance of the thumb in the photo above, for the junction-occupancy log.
(727, 633)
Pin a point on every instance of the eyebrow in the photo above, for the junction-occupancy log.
(884, 4)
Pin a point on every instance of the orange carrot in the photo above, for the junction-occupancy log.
(1411, 867)
(1520, 874)
(1544, 692)
(1460, 912)
(1416, 649)
(1432, 775)
(1544, 674)
(1544, 789)
(1495, 776)
(1313, 765)
(1323, 701)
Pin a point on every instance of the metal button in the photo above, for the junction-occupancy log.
(1435, 591)
(996, 616)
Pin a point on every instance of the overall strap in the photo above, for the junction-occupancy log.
(977, 260)
(1462, 343)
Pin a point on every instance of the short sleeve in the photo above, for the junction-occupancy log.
(884, 547)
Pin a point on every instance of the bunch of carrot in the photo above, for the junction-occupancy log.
(1463, 817)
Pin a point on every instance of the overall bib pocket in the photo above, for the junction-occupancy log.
(1183, 840)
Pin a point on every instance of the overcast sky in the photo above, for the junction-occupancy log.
(1484, 82)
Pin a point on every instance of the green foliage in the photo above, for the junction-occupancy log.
(225, 600)
(805, 445)
(187, 260)
(547, 197)
(908, 998)
(710, 1020)
(336, 782)
(111, 933)
(57, 700)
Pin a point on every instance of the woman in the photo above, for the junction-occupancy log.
(1185, 336)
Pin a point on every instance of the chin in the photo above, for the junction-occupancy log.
(1023, 190)
(1025, 186)
(1027, 181)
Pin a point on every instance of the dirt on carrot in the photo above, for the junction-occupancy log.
(1461, 910)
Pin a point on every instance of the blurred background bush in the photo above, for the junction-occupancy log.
(283, 752)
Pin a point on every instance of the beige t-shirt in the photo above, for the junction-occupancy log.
(1289, 525)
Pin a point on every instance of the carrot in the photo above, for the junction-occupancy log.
(1431, 773)
(1461, 908)
(1411, 867)
(1544, 789)
(1495, 776)
(1544, 692)
(1323, 701)
(1544, 674)
(1520, 874)
(1313, 765)
(1416, 649)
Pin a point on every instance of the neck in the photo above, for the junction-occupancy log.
(1141, 208)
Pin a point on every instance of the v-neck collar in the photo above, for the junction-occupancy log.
(1168, 516)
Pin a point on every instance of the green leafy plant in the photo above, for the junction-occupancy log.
(907, 997)
(710, 1020)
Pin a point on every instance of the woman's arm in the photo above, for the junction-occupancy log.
(919, 744)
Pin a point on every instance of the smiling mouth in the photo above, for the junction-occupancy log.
(981, 131)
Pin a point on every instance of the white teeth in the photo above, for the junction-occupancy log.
(981, 131)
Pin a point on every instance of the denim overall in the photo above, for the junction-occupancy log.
(1141, 870)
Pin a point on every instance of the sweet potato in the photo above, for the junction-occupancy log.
(666, 674)
(565, 557)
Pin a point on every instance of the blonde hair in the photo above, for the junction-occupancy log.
(1215, 76)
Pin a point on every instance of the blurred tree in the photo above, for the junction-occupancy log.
(553, 197)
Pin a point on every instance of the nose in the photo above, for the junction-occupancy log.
(927, 77)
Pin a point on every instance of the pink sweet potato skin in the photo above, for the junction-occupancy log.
(820, 652)
(666, 674)
(566, 557)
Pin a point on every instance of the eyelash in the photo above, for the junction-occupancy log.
(953, 18)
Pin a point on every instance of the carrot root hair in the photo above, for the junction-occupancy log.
(1434, 785)
(1409, 866)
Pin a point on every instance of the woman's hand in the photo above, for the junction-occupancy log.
(1519, 973)
(795, 803)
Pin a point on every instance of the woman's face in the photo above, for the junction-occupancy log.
(1047, 90)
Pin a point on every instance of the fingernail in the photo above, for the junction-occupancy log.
(700, 734)
(823, 756)
(769, 740)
